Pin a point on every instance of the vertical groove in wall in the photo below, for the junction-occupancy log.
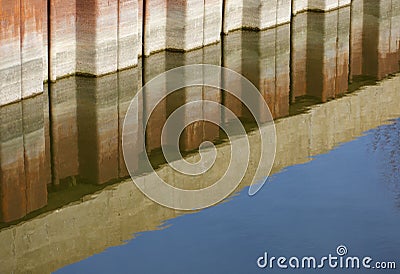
(143, 31)
(223, 18)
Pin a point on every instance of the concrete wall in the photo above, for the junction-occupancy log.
(97, 37)
(181, 24)
(21, 49)
(318, 5)
(255, 14)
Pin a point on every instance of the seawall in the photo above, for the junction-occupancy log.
(45, 40)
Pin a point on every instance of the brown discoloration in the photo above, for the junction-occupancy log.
(34, 153)
(13, 185)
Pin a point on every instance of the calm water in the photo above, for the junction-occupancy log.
(328, 78)
(348, 196)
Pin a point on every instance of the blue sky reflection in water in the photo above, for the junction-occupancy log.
(349, 196)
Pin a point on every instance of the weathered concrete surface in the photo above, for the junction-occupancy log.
(129, 44)
(114, 215)
(213, 19)
(155, 26)
(62, 40)
(264, 58)
(32, 20)
(23, 164)
(255, 14)
(21, 49)
(318, 5)
(10, 52)
(320, 56)
(376, 43)
(181, 24)
(95, 37)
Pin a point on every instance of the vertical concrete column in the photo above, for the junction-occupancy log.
(98, 128)
(32, 15)
(34, 153)
(62, 53)
(45, 40)
(10, 52)
(212, 21)
(258, 14)
(12, 164)
(233, 15)
(155, 26)
(255, 14)
(97, 35)
(64, 125)
(128, 33)
(318, 5)
(185, 26)
(283, 11)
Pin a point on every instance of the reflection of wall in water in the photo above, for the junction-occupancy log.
(262, 57)
(115, 214)
(87, 116)
(375, 38)
(320, 53)
(23, 163)
(64, 126)
(196, 132)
